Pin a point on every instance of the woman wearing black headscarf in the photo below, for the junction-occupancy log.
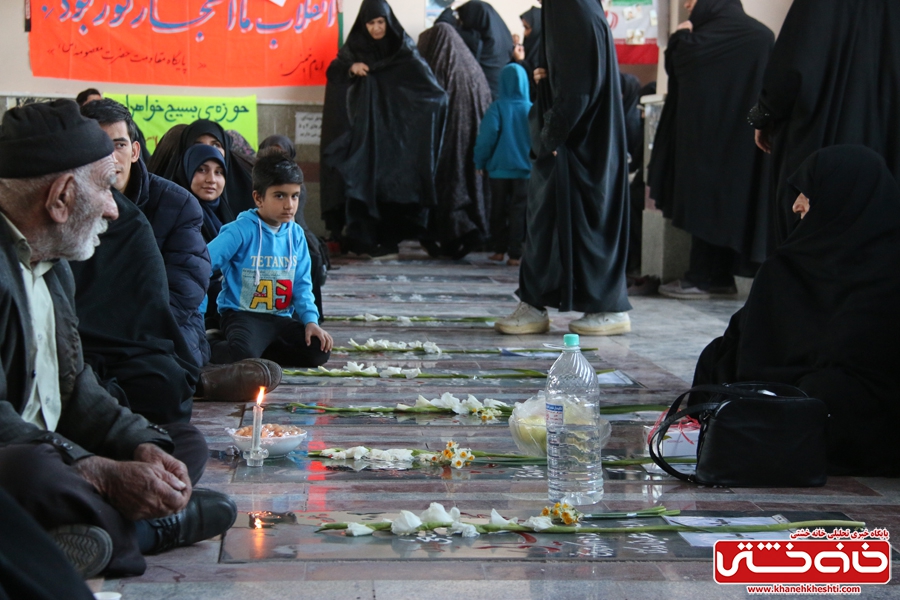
(706, 176)
(488, 37)
(459, 221)
(833, 78)
(534, 45)
(577, 239)
(822, 314)
(239, 185)
(381, 135)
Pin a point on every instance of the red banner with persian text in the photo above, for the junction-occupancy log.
(203, 43)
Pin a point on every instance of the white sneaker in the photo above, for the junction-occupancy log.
(525, 319)
(601, 324)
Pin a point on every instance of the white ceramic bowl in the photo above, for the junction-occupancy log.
(277, 446)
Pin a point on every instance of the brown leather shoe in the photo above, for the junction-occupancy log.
(238, 382)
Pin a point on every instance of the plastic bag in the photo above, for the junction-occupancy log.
(528, 425)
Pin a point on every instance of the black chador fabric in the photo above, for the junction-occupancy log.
(534, 47)
(822, 314)
(709, 176)
(381, 134)
(129, 335)
(461, 191)
(488, 37)
(577, 237)
(239, 182)
(833, 78)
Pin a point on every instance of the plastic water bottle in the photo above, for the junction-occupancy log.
(575, 431)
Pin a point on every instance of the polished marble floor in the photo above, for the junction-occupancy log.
(286, 558)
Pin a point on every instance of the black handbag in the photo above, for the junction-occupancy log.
(752, 435)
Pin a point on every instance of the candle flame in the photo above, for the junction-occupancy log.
(261, 396)
(257, 523)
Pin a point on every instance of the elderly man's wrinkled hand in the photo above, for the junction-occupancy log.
(153, 454)
(138, 490)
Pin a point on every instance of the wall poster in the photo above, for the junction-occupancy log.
(203, 43)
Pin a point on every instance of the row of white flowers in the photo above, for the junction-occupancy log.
(372, 345)
(361, 369)
(488, 410)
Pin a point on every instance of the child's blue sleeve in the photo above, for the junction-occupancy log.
(224, 247)
(488, 134)
(304, 301)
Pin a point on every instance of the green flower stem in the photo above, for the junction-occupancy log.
(657, 511)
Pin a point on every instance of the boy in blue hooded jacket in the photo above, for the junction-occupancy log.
(502, 148)
(266, 302)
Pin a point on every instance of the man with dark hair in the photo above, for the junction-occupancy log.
(88, 95)
(98, 477)
(137, 372)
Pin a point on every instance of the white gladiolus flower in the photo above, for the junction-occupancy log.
(390, 372)
(470, 405)
(491, 403)
(358, 529)
(538, 523)
(404, 320)
(436, 513)
(411, 373)
(431, 348)
(357, 452)
(400, 455)
(371, 317)
(338, 455)
(403, 407)
(465, 529)
(353, 367)
(327, 370)
(447, 400)
(421, 402)
(454, 514)
(378, 455)
(496, 519)
(406, 524)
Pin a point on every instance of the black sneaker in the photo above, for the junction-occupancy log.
(87, 547)
(207, 515)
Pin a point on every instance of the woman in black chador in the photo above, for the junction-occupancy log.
(381, 136)
(534, 45)
(459, 221)
(238, 185)
(822, 314)
(577, 241)
(706, 173)
(833, 78)
(486, 35)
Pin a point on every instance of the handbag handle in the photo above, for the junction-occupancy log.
(674, 415)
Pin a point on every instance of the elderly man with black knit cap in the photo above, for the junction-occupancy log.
(107, 484)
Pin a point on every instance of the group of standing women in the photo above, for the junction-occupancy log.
(821, 314)
(399, 130)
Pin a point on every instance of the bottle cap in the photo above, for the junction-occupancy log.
(571, 340)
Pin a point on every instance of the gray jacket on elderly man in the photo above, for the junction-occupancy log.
(91, 421)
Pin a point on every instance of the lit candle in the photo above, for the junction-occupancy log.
(257, 454)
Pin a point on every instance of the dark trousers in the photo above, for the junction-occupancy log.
(255, 335)
(711, 266)
(31, 565)
(54, 494)
(509, 198)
